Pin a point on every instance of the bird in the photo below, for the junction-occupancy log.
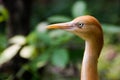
(88, 28)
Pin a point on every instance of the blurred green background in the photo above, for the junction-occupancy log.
(30, 52)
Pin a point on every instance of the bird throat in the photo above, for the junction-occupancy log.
(90, 60)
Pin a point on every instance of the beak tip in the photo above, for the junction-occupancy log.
(52, 27)
(48, 27)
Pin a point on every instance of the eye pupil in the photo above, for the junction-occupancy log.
(81, 25)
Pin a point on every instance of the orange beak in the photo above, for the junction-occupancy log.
(66, 25)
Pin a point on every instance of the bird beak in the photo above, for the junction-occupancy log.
(66, 25)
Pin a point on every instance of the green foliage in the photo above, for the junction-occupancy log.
(58, 18)
(39, 61)
(3, 42)
(46, 45)
(79, 8)
(3, 14)
(60, 58)
(59, 37)
(114, 72)
(111, 28)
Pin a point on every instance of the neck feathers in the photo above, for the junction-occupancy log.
(90, 60)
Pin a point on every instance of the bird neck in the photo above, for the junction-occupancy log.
(90, 60)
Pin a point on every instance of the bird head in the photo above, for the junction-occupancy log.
(86, 27)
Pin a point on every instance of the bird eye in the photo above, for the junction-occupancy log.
(80, 25)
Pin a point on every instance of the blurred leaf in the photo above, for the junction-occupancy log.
(9, 53)
(58, 18)
(41, 27)
(38, 38)
(43, 37)
(1, 18)
(21, 71)
(21, 40)
(4, 14)
(60, 58)
(114, 71)
(3, 42)
(111, 28)
(27, 52)
(39, 61)
(32, 38)
(60, 36)
(79, 8)
(56, 33)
